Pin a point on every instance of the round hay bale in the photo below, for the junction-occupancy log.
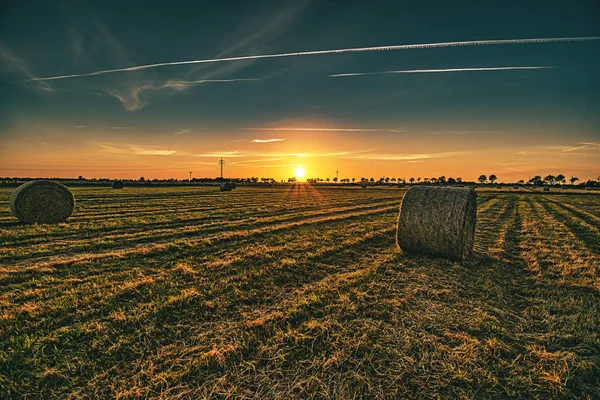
(233, 185)
(546, 188)
(118, 185)
(225, 187)
(516, 187)
(438, 221)
(44, 202)
(364, 185)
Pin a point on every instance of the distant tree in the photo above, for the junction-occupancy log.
(442, 179)
(433, 180)
(142, 179)
(451, 181)
(327, 180)
(459, 179)
(550, 179)
(393, 179)
(387, 180)
(353, 179)
(573, 180)
(482, 179)
(372, 180)
(536, 180)
(335, 179)
(412, 180)
(521, 182)
(80, 177)
(493, 178)
(419, 180)
(426, 180)
(560, 178)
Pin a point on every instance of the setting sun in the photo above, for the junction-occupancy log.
(299, 173)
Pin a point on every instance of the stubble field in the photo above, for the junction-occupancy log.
(299, 292)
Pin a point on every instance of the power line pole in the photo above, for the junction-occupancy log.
(221, 163)
(190, 176)
(337, 173)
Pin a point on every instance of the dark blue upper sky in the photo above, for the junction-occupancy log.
(495, 111)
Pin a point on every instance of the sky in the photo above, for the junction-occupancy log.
(367, 88)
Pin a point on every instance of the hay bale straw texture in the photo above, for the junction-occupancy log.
(438, 221)
(44, 202)
(226, 187)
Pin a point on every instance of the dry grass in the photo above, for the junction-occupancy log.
(184, 293)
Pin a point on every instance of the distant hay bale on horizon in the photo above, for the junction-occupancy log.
(225, 187)
(546, 188)
(118, 185)
(516, 187)
(42, 201)
(438, 221)
(233, 185)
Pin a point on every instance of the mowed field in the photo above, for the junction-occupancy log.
(297, 292)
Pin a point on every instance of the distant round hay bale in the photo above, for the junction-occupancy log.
(118, 185)
(438, 221)
(44, 202)
(546, 188)
(233, 185)
(225, 187)
(363, 185)
(516, 187)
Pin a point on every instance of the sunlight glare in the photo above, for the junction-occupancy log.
(299, 173)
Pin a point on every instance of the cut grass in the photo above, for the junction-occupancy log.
(302, 293)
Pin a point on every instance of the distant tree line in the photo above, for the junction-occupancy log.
(537, 180)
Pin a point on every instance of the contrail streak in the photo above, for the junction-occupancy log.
(433, 71)
(319, 52)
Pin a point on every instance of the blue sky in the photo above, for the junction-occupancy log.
(511, 108)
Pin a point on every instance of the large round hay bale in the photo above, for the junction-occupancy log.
(233, 185)
(44, 202)
(438, 221)
(225, 187)
(118, 185)
(546, 188)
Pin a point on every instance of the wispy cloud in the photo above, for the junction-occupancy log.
(216, 154)
(333, 51)
(267, 140)
(404, 157)
(558, 149)
(439, 71)
(582, 146)
(121, 128)
(181, 132)
(14, 63)
(461, 132)
(137, 150)
(323, 129)
(182, 85)
(133, 97)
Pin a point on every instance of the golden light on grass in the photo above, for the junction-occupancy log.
(299, 172)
